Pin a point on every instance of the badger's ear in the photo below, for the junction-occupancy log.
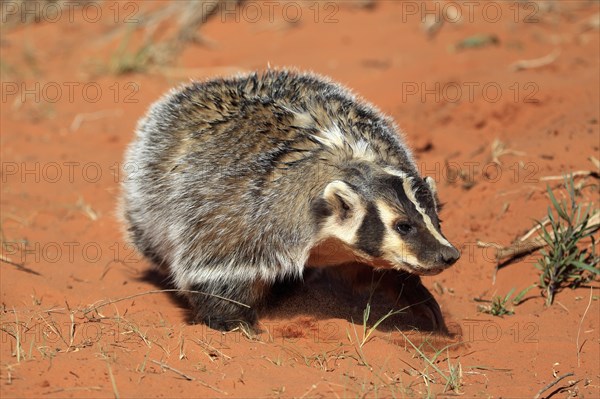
(342, 198)
(432, 186)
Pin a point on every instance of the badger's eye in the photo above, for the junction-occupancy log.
(404, 228)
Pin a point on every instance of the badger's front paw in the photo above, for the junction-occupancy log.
(246, 321)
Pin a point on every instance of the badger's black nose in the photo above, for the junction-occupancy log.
(449, 255)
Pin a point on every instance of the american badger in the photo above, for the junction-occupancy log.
(235, 184)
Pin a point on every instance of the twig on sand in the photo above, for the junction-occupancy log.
(535, 63)
(592, 22)
(526, 245)
(18, 265)
(515, 250)
(499, 149)
(579, 173)
(553, 383)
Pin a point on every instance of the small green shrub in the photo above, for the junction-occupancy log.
(567, 262)
(497, 306)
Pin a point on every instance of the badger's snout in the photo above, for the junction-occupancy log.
(434, 261)
(447, 256)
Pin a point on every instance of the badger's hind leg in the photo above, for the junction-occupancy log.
(143, 243)
(227, 305)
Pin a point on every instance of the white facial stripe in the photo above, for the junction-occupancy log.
(407, 184)
(395, 172)
(393, 246)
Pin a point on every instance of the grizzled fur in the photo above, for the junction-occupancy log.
(229, 188)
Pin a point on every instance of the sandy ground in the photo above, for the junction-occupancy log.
(78, 315)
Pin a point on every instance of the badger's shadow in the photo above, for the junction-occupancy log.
(160, 279)
(343, 292)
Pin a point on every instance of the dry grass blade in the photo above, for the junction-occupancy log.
(71, 389)
(111, 301)
(535, 63)
(17, 336)
(182, 354)
(112, 381)
(86, 209)
(71, 330)
(210, 350)
(54, 330)
(452, 378)
(94, 116)
(579, 329)
(189, 378)
(166, 366)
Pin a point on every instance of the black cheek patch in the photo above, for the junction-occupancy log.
(370, 233)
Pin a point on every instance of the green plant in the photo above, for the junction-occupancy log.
(498, 303)
(566, 263)
(367, 331)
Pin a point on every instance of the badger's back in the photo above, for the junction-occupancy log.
(223, 172)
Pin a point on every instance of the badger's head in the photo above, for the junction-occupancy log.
(387, 217)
